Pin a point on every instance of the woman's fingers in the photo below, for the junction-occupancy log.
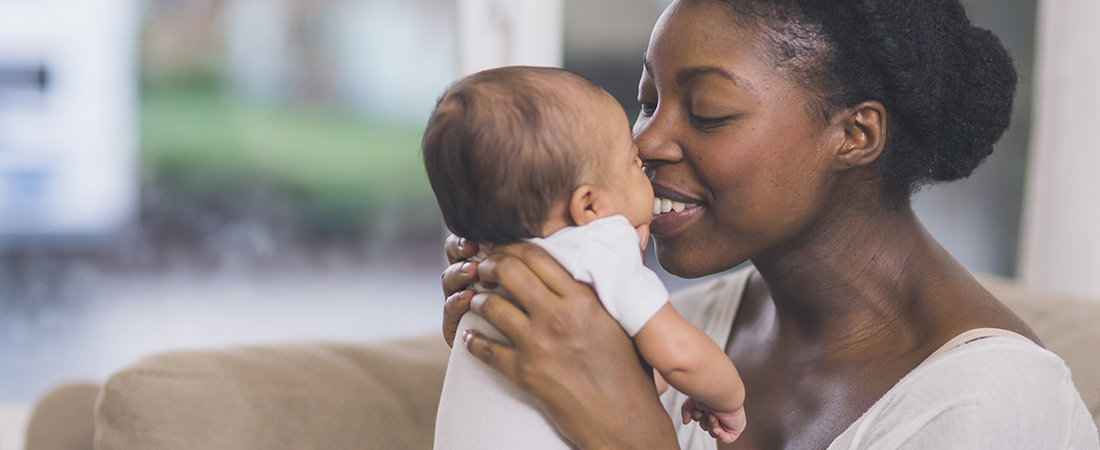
(501, 314)
(459, 249)
(456, 305)
(459, 275)
(566, 352)
(456, 277)
(496, 355)
(550, 274)
(516, 277)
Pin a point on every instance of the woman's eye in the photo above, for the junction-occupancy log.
(648, 108)
(705, 122)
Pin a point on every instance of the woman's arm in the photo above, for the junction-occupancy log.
(567, 352)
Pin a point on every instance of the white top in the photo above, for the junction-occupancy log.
(479, 408)
(999, 392)
(606, 255)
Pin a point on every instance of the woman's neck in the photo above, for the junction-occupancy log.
(855, 278)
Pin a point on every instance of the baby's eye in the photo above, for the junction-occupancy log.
(648, 108)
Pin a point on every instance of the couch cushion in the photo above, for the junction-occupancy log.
(1069, 327)
(306, 396)
(62, 419)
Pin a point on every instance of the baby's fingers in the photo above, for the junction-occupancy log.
(723, 436)
(688, 411)
(704, 423)
(712, 426)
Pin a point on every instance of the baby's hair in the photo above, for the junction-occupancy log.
(501, 150)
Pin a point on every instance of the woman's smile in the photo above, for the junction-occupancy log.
(672, 210)
(667, 223)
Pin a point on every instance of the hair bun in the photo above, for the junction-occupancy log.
(947, 86)
(981, 110)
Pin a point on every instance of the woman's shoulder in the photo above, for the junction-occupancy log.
(997, 392)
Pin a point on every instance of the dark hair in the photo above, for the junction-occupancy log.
(947, 85)
(501, 150)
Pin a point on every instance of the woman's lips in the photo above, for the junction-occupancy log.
(668, 215)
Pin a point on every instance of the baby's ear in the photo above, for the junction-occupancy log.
(582, 205)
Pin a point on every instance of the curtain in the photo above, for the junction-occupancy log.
(1060, 248)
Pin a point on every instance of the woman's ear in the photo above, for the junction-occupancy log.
(582, 205)
(864, 128)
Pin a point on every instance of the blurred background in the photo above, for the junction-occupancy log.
(196, 173)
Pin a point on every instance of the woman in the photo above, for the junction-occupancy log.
(797, 131)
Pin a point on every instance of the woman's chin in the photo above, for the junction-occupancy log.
(691, 261)
(677, 262)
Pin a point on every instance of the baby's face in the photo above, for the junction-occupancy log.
(619, 171)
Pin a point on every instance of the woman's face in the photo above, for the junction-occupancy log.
(727, 132)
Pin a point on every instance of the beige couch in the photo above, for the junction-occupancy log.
(368, 396)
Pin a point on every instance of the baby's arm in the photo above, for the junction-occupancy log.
(692, 363)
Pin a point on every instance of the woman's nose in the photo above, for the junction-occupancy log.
(654, 137)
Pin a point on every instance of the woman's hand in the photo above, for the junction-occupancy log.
(456, 277)
(567, 352)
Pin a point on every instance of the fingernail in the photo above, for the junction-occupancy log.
(466, 335)
(462, 243)
(464, 268)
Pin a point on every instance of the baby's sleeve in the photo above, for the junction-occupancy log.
(611, 262)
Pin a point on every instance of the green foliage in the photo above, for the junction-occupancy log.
(336, 160)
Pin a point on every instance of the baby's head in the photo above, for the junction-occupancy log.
(521, 152)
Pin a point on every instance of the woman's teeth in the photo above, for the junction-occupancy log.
(663, 205)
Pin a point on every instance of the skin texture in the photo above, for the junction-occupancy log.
(852, 293)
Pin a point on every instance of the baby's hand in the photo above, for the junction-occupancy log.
(723, 426)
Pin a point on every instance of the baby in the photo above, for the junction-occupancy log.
(545, 156)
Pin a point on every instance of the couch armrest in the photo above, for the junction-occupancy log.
(305, 396)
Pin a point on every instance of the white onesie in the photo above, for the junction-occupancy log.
(479, 407)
